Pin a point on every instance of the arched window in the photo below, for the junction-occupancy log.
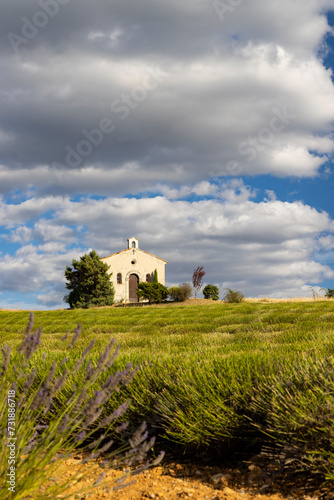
(133, 244)
(119, 278)
(148, 278)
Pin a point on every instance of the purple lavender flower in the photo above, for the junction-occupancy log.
(81, 436)
(6, 352)
(64, 424)
(30, 342)
(100, 479)
(75, 336)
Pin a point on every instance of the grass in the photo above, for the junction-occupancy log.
(214, 376)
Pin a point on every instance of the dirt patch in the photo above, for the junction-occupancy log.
(174, 481)
(195, 302)
(287, 300)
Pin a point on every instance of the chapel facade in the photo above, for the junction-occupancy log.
(130, 266)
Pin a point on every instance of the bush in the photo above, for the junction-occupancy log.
(329, 293)
(47, 410)
(153, 292)
(211, 292)
(180, 293)
(233, 296)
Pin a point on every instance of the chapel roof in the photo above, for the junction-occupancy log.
(137, 250)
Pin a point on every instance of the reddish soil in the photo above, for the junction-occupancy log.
(174, 481)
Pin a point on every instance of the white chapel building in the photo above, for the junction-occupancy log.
(129, 267)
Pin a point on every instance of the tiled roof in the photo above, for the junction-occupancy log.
(129, 249)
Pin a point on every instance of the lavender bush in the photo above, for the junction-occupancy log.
(39, 433)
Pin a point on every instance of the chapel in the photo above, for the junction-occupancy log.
(129, 267)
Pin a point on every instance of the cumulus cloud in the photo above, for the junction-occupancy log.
(121, 118)
(264, 248)
(27, 210)
(37, 273)
(186, 92)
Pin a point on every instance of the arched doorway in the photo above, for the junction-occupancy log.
(133, 285)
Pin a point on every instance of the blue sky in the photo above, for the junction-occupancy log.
(202, 128)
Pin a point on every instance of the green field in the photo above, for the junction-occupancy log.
(204, 331)
(213, 377)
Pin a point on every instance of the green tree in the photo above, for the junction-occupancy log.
(155, 276)
(89, 282)
(153, 292)
(329, 293)
(211, 292)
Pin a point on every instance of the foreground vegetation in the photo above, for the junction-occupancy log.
(47, 413)
(212, 377)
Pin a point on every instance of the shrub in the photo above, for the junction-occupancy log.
(329, 293)
(44, 416)
(211, 292)
(233, 296)
(155, 276)
(153, 292)
(180, 293)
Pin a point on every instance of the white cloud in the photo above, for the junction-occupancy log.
(327, 242)
(35, 269)
(190, 96)
(265, 248)
(218, 87)
(13, 214)
(44, 231)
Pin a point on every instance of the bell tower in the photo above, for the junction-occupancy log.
(133, 243)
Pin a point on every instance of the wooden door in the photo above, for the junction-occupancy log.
(133, 285)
